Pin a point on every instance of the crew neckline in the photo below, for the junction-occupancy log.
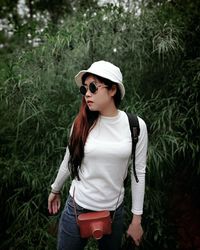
(111, 118)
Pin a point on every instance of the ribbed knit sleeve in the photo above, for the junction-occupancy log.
(140, 165)
(63, 173)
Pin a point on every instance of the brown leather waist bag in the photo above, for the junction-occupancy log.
(95, 224)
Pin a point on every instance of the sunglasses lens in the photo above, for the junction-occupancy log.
(83, 90)
(92, 88)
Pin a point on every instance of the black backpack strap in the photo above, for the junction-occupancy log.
(135, 132)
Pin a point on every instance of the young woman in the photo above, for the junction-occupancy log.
(97, 159)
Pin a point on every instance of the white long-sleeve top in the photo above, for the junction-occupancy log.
(105, 165)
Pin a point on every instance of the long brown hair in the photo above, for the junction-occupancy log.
(83, 123)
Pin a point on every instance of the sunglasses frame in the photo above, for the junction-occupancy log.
(92, 87)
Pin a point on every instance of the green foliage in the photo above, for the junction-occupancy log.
(39, 100)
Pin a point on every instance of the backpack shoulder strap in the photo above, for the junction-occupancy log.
(135, 132)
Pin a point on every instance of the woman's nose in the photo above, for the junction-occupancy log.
(88, 93)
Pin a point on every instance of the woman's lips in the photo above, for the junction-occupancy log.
(89, 102)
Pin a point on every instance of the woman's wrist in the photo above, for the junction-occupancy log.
(136, 219)
(55, 192)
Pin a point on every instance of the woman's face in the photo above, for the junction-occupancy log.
(102, 100)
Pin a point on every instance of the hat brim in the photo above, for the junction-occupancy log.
(78, 77)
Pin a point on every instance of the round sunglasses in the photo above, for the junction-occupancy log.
(92, 87)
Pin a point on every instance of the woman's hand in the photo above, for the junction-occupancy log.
(135, 229)
(54, 203)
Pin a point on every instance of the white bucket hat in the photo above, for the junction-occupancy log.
(106, 70)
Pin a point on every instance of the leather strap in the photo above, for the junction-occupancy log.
(74, 204)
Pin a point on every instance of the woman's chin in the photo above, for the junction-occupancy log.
(92, 108)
